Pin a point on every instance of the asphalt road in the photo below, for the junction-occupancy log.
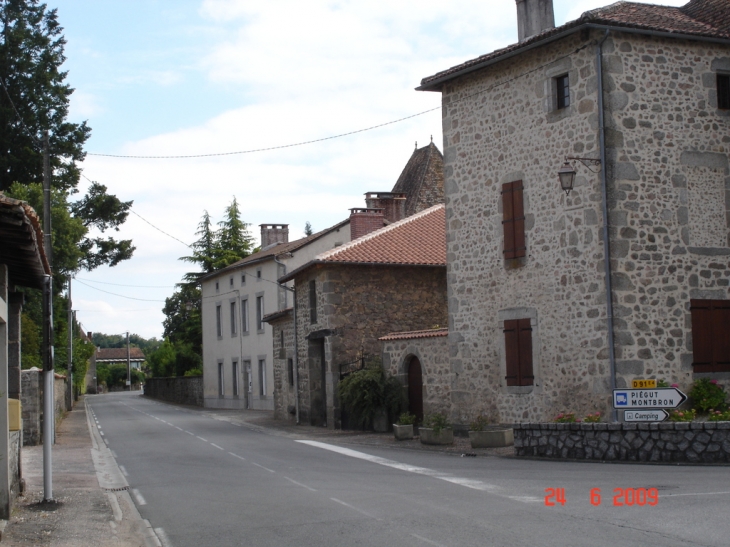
(207, 482)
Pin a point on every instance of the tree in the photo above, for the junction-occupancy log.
(183, 322)
(308, 229)
(205, 250)
(234, 241)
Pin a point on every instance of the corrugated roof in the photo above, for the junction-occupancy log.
(700, 18)
(119, 354)
(21, 243)
(418, 240)
(410, 335)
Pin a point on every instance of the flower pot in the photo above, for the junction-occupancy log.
(429, 436)
(491, 438)
(403, 432)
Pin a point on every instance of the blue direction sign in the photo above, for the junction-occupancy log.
(661, 397)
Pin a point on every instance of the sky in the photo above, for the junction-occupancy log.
(191, 77)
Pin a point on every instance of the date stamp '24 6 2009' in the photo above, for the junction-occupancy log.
(629, 497)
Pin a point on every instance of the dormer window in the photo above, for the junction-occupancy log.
(562, 92)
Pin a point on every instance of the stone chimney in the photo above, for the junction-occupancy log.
(274, 233)
(534, 16)
(365, 220)
(392, 203)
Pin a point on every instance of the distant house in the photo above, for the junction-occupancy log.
(118, 356)
(23, 263)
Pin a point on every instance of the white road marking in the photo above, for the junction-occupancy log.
(262, 467)
(237, 456)
(179, 428)
(527, 499)
(123, 470)
(116, 510)
(101, 433)
(114, 454)
(695, 494)
(300, 484)
(355, 509)
(428, 540)
(162, 536)
(218, 447)
(202, 439)
(188, 432)
(138, 497)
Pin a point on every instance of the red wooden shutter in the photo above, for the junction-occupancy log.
(513, 219)
(721, 335)
(512, 352)
(701, 335)
(525, 341)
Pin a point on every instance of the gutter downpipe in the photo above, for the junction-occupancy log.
(604, 204)
(296, 341)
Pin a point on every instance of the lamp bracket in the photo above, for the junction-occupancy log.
(587, 162)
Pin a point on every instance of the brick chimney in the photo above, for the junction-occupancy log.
(392, 203)
(534, 16)
(365, 220)
(274, 233)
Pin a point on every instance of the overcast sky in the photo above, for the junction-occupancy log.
(157, 77)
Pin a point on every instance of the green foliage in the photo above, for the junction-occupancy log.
(308, 232)
(662, 383)
(707, 394)
(565, 418)
(30, 343)
(718, 416)
(682, 415)
(183, 322)
(194, 372)
(479, 423)
(174, 359)
(147, 345)
(437, 422)
(592, 418)
(115, 376)
(368, 391)
(406, 418)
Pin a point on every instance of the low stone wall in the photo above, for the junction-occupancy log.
(31, 402)
(186, 390)
(13, 462)
(691, 442)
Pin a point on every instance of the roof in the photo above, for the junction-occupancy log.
(432, 333)
(275, 250)
(702, 19)
(21, 243)
(268, 318)
(418, 240)
(422, 179)
(119, 354)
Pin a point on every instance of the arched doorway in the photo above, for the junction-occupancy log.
(415, 389)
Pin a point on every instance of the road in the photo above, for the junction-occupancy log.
(207, 482)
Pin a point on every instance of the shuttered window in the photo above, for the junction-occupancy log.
(513, 220)
(312, 301)
(518, 349)
(710, 335)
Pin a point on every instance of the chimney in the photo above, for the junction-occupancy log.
(365, 220)
(274, 233)
(534, 16)
(392, 203)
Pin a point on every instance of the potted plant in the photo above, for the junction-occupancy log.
(403, 430)
(436, 430)
(482, 437)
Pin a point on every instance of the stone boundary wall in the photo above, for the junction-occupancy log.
(184, 390)
(690, 442)
(31, 403)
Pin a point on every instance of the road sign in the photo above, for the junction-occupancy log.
(641, 384)
(663, 397)
(656, 415)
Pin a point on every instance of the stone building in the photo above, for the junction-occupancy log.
(393, 278)
(635, 98)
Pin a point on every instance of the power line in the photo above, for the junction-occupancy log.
(119, 295)
(122, 285)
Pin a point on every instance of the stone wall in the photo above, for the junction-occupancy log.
(59, 397)
(691, 442)
(433, 354)
(669, 190)
(183, 390)
(13, 462)
(31, 402)
(284, 393)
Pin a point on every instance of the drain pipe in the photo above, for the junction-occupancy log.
(604, 204)
(295, 360)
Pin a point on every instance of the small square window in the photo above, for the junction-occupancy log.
(243, 279)
(231, 283)
(723, 91)
(216, 286)
(562, 92)
(258, 273)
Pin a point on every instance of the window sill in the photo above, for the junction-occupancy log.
(520, 390)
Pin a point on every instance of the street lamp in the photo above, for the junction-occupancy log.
(566, 174)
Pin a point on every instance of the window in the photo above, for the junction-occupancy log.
(234, 383)
(260, 313)
(218, 327)
(562, 92)
(216, 286)
(290, 367)
(518, 351)
(723, 91)
(312, 301)
(513, 220)
(710, 335)
(281, 343)
(233, 319)
(243, 279)
(231, 282)
(258, 274)
(221, 388)
(244, 316)
(262, 376)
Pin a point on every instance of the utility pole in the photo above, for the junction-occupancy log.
(48, 414)
(69, 354)
(129, 370)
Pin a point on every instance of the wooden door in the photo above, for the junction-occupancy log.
(415, 389)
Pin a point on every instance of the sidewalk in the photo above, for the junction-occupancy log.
(83, 514)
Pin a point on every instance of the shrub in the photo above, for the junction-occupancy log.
(565, 418)
(368, 391)
(718, 416)
(479, 423)
(592, 418)
(682, 415)
(437, 422)
(194, 372)
(707, 394)
(407, 419)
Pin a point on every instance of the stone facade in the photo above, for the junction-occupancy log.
(183, 390)
(668, 179)
(696, 442)
(355, 305)
(284, 375)
(31, 404)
